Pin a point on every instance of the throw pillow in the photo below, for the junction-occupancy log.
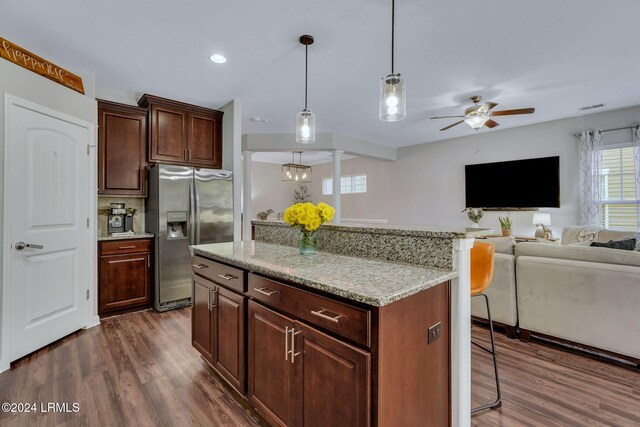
(626, 244)
(637, 242)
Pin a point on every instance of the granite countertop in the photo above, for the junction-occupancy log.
(408, 230)
(103, 238)
(369, 281)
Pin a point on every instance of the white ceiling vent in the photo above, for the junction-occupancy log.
(591, 107)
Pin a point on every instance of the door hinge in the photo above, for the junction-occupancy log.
(87, 222)
(87, 293)
(88, 149)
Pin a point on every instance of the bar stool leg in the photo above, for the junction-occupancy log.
(498, 402)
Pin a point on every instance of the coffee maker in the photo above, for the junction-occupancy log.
(120, 220)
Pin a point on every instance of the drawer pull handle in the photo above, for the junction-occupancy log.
(200, 266)
(321, 315)
(126, 247)
(265, 291)
(227, 276)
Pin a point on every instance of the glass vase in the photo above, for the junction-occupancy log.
(308, 243)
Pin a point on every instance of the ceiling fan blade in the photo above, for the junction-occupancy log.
(491, 124)
(446, 117)
(484, 108)
(452, 125)
(514, 112)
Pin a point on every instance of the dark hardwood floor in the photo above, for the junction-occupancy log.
(139, 369)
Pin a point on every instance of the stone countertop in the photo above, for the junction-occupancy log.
(402, 230)
(104, 238)
(369, 281)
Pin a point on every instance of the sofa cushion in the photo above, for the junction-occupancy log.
(573, 234)
(637, 242)
(503, 245)
(625, 244)
(605, 235)
(578, 253)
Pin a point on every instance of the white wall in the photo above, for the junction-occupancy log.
(268, 191)
(23, 83)
(425, 186)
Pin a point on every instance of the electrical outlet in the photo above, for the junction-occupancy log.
(434, 332)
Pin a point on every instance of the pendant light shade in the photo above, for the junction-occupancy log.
(305, 119)
(393, 102)
(476, 122)
(296, 172)
(392, 105)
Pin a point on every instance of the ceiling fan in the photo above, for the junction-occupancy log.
(478, 116)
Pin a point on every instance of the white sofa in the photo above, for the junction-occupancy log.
(502, 290)
(585, 295)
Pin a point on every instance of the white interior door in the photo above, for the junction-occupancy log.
(48, 268)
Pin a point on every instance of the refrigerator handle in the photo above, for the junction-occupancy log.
(192, 208)
(196, 225)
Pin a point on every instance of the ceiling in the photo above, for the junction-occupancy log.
(554, 55)
(308, 157)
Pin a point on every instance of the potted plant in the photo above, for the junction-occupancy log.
(474, 215)
(505, 223)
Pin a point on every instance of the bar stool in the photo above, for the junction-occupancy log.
(482, 258)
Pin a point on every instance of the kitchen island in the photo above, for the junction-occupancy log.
(331, 339)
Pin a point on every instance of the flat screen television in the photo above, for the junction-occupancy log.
(516, 184)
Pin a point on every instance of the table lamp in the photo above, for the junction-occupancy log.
(542, 220)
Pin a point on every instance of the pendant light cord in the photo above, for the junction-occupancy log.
(306, 68)
(393, 28)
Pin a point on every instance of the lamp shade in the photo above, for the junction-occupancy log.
(476, 122)
(393, 102)
(305, 127)
(543, 218)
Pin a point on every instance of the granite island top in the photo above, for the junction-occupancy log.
(103, 238)
(369, 281)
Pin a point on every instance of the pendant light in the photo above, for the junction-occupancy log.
(392, 106)
(305, 119)
(296, 172)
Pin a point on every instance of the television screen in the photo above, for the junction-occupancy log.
(518, 184)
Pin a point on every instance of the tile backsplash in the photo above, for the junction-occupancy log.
(130, 202)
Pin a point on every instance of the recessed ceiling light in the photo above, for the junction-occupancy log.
(218, 59)
(258, 120)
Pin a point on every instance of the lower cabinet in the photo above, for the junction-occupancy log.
(297, 373)
(218, 329)
(124, 275)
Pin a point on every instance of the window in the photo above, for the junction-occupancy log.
(348, 185)
(619, 202)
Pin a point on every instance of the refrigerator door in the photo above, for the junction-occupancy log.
(175, 234)
(213, 216)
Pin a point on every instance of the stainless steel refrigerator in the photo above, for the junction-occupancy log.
(186, 206)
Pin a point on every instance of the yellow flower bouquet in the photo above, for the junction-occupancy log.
(308, 218)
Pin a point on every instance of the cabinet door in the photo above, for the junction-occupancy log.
(204, 146)
(201, 317)
(229, 336)
(124, 281)
(270, 369)
(168, 134)
(330, 374)
(122, 142)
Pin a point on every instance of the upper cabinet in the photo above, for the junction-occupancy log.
(183, 134)
(122, 142)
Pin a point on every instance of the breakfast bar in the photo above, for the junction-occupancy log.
(374, 329)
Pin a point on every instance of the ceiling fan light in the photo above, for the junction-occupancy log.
(476, 122)
(305, 127)
(392, 105)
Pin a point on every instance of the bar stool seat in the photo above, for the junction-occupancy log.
(482, 261)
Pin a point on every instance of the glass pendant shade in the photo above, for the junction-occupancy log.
(296, 173)
(305, 127)
(476, 122)
(393, 102)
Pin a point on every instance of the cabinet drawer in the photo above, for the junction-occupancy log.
(125, 246)
(221, 274)
(348, 321)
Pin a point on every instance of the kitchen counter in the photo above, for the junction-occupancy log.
(369, 281)
(104, 238)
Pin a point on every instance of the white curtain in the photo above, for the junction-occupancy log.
(636, 151)
(590, 144)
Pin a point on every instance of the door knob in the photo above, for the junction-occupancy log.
(21, 245)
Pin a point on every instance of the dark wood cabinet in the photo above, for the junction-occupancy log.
(218, 328)
(182, 133)
(271, 373)
(124, 278)
(122, 145)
